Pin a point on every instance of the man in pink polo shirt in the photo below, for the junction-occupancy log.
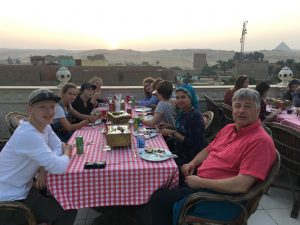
(241, 154)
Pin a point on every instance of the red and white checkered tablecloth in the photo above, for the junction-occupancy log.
(126, 180)
(291, 120)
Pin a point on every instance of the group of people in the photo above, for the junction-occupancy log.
(177, 117)
(240, 156)
(292, 94)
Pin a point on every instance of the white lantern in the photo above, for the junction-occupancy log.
(63, 75)
(285, 75)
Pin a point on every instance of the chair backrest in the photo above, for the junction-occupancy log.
(227, 111)
(15, 206)
(252, 198)
(209, 115)
(287, 141)
(255, 194)
(13, 120)
(211, 105)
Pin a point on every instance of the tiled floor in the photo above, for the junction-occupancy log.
(274, 209)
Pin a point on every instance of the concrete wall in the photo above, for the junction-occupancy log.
(45, 75)
(254, 69)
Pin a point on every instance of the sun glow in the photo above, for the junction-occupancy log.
(147, 25)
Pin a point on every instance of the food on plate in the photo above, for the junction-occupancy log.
(152, 150)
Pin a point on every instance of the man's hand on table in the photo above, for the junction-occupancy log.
(67, 149)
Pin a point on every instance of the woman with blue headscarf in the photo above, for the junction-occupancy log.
(189, 129)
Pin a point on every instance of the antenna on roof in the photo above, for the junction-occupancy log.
(242, 40)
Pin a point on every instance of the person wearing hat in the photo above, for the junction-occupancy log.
(32, 151)
(188, 131)
(82, 103)
(64, 111)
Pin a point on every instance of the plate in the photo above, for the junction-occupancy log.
(155, 157)
(152, 134)
(143, 109)
(97, 122)
(149, 117)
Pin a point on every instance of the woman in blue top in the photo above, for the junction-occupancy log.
(189, 129)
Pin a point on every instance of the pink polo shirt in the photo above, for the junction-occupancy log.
(250, 151)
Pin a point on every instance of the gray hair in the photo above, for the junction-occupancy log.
(247, 93)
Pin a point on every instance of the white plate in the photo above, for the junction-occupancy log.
(149, 117)
(152, 134)
(156, 158)
(143, 109)
(97, 122)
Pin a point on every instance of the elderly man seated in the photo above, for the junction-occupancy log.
(241, 154)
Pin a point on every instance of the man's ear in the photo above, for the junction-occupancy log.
(28, 109)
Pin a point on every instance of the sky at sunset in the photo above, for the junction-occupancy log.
(148, 25)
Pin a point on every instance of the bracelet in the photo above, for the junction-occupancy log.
(89, 119)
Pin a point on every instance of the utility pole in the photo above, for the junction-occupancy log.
(242, 40)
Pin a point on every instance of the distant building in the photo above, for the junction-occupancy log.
(253, 69)
(96, 57)
(37, 60)
(50, 60)
(199, 61)
(66, 60)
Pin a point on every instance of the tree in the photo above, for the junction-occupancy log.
(238, 56)
(209, 70)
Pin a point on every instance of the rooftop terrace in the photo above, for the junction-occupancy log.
(274, 208)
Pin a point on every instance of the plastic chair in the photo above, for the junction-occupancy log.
(18, 207)
(252, 199)
(287, 141)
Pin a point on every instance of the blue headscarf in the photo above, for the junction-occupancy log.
(190, 92)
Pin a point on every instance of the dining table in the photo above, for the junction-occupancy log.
(289, 118)
(126, 180)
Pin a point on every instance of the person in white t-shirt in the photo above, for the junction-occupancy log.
(32, 151)
(61, 124)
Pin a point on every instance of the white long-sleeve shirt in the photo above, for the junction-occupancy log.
(24, 153)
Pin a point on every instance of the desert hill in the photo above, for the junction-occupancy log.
(167, 58)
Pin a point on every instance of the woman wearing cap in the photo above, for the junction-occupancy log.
(32, 151)
(82, 103)
(61, 125)
(188, 130)
(241, 81)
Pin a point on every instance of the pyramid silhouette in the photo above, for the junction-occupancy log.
(283, 47)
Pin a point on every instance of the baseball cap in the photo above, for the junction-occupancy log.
(86, 86)
(41, 95)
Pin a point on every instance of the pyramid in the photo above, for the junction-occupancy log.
(283, 47)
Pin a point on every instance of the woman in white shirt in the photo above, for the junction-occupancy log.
(61, 124)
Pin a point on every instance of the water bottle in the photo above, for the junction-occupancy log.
(140, 142)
